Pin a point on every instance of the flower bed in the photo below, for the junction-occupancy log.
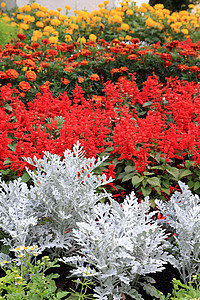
(134, 107)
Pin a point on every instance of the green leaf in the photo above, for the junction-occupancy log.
(136, 180)
(185, 173)
(25, 177)
(129, 169)
(128, 177)
(147, 104)
(166, 190)
(174, 172)
(148, 173)
(154, 181)
(196, 185)
(12, 147)
(146, 191)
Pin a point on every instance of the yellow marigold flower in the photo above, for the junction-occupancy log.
(68, 38)
(59, 9)
(28, 18)
(93, 37)
(158, 6)
(129, 12)
(37, 33)
(81, 40)
(26, 8)
(24, 26)
(34, 5)
(49, 29)
(39, 24)
(150, 22)
(101, 5)
(55, 22)
(69, 31)
(62, 17)
(53, 39)
(191, 6)
(74, 26)
(106, 2)
(3, 4)
(67, 7)
(20, 17)
(184, 31)
(128, 37)
(117, 19)
(40, 14)
(125, 26)
(43, 9)
(142, 9)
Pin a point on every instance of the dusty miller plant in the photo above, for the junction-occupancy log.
(63, 190)
(119, 245)
(182, 216)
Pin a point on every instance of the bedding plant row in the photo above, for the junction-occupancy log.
(132, 100)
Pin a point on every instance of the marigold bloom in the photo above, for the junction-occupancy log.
(92, 37)
(80, 80)
(43, 9)
(12, 74)
(183, 67)
(24, 86)
(30, 75)
(194, 69)
(3, 4)
(94, 77)
(21, 36)
(68, 38)
(34, 5)
(55, 22)
(65, 81)
(84, 62)
(125, 26)
(24, 26)
(67, 7)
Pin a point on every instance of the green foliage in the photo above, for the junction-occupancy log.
(16, 286)
(186, 292)
(7, 32)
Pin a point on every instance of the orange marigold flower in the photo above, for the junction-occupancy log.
(2, 75)
(96, 98)
(29, 63)
(30, 75)
(84, 63)
(24, 86)
(94, 77)
(81, 80)
(194, 69)
(12, 74)
(183, 67)
(65, 81)
(69, 69)
(75, 64)
(167, 63)
(132, 56)
(123, 69)
(114, 70)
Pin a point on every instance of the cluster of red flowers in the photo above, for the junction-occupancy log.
(95, 62)
(171, 126)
